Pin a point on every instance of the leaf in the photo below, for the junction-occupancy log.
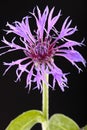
(84, 128)
(62, 122)
(26, 120)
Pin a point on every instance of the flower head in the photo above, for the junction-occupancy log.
(40, 46)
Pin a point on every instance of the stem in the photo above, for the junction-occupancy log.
(45, 102)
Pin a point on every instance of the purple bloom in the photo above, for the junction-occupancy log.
(40, 48)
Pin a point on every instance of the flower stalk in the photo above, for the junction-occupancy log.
(45, 102)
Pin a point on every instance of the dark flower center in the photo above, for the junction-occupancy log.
(41, 52)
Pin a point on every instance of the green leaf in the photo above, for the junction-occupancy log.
(62, 122)
(84, 128)
(26, 120)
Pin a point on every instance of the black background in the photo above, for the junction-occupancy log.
(14, 98)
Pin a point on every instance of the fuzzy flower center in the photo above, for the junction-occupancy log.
(41, 52)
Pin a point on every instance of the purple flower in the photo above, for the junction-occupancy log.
(40, 46)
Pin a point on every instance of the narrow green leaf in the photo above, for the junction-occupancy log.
(26, 120)
(62, 122)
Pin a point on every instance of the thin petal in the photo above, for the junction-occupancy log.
(28, 31)
(22, 29)
(38, 80)
(65, 25)
(65, 30)
(70, 43)
(29, 78)
(41, 21)
(20, 66)
(73, 56)
(12, 44)
(52, 21)
(39, 12)
(58, 76)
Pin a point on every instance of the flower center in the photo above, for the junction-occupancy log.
(41, 51)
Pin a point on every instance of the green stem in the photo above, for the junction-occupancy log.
(45, 101)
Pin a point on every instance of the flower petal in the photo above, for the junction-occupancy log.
(52, 21)
(58, 76)
(70, 43)
(38, 80)
(22, 29)
(29, 78)
(73, 56)
(41, 21)
(66, 31)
